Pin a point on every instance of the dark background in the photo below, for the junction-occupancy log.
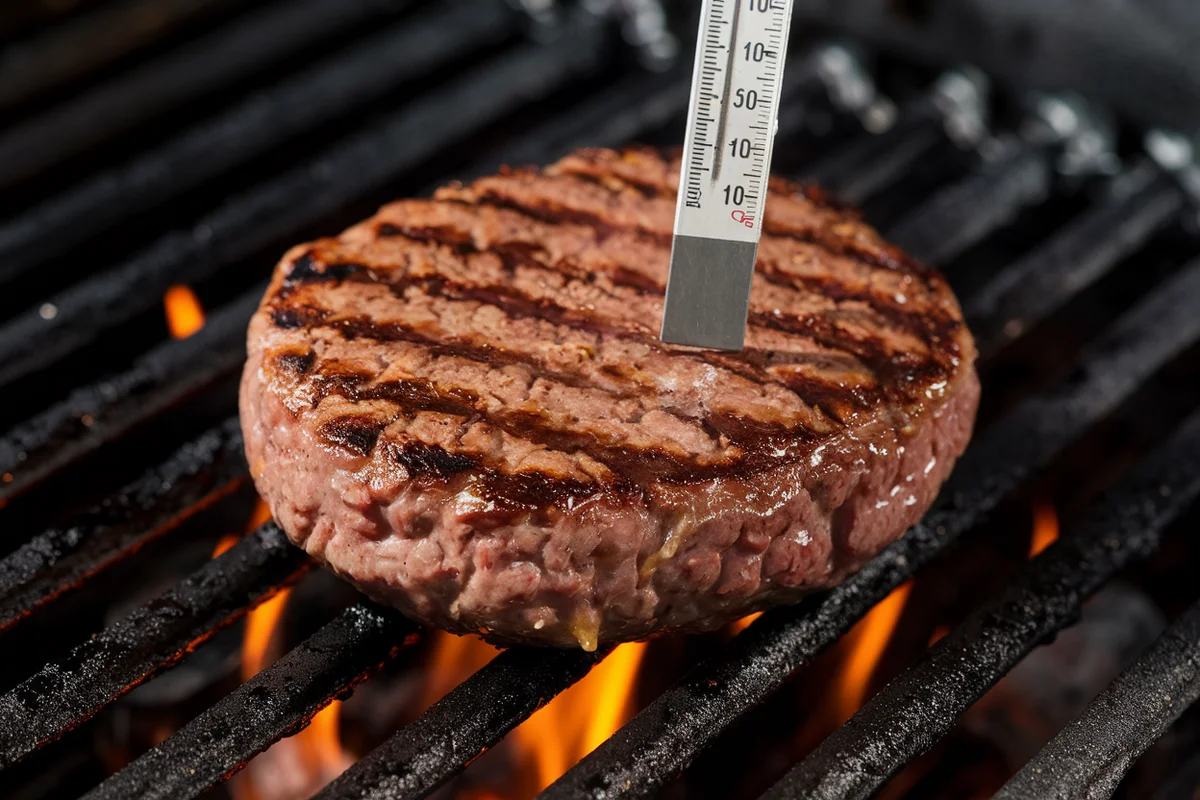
(1140, 56)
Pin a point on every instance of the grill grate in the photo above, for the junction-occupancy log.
(217, 61)
(377, 66)
(1119, 724)
(474, 716)
(278, 701)
(59, 558)
(485, 74)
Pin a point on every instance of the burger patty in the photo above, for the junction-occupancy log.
(462, 406)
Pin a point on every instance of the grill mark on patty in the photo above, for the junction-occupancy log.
(643, 466)
(356, 433)
(560, 215)
(878, 257)
(428, 461)
(832, 400)
(464, 244)
(308, 269)
(294, 317)
(502, 493)
(817, 232)
(647, 189)
(931, 324)
(516, 305)
(871, 351)
(928, 325)
(911, 322)
(492, 355)
(714, 425)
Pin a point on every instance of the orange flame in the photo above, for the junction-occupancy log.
(740, 625)
(322, 744)
(185, 315)
(260, 630)
(227, 541)
(559, 734)
(1045, 527)
(261, 515)
(576, 722)
(455, 658)
(299, 766)
(868, 639)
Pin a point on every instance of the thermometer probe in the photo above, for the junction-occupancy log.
(726, 169)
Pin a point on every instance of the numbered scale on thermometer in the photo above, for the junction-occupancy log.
(726, 169)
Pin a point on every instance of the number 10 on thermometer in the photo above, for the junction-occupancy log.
(726, 170)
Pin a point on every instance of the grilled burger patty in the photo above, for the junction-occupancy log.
(461, 405)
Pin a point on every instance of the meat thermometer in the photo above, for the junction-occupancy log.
(736, 83)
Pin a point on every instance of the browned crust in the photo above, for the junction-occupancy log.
(844, 329)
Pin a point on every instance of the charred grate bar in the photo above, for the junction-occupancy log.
(94, 40)
(472, 717)
(300, 198)
(408, 49)
(668, 735)
(99, 413)
(1089, 757)
(277, 702)
(62, 696)
(1144, 202)
(225, 56)
(913, 712)
(863, 168)
(55, 560)
(959, 217)
(629, 109)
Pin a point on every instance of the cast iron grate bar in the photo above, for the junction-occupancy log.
(629, 109)
(964, 214)
(1088, 759)
(91, 41)
(99, 413)
(62, 696)
(472, 717)
(285, 206)
(199, 473)
(668, 735)
(1144, 202)
(867, 166)
(252, 127)
(913, 712)
(277, 702)
(223, 57)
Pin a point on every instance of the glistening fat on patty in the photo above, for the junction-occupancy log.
(461, 405)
